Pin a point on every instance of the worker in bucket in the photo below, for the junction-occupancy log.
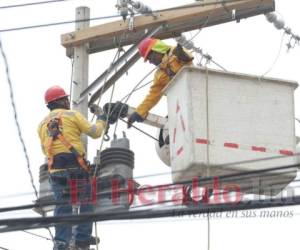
(169, 61)
(60, 138)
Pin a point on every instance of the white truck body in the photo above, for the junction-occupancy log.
(219, 119)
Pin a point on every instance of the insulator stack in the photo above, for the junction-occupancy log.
(115, 168)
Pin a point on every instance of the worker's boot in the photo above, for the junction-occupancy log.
(80, 248)
(59, 245)
(85, 245)
(82, 245)
(94, 240)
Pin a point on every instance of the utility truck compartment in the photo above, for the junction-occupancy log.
(222, 123)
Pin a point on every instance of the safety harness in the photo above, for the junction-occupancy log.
(54, 126)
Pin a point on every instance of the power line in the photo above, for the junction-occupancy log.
(116, 57)
(105, 17)
(188, 43)
(31, 4)
(17, 123)
(128, 96)
(57, 23)
(140, 130)
(202, 180)
(245, 190)
(37, 235)
(224, 2)
(16, 118)
(208, 232)
(71, 81)
(57, 1)
(9, 225)
(173, 200)
(144, 85)
(243, 173)
(277, 56)
(4, 248)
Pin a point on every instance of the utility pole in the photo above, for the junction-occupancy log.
(81, 65)
(80, 73)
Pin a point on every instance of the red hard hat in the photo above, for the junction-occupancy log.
(145, 47)
(54, 93)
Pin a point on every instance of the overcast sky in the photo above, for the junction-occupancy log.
(37, 60)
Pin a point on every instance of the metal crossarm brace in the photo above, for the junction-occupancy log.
(115, 65)
(114, 78)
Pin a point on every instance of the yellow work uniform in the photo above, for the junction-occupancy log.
(73, 125)
(170, 63)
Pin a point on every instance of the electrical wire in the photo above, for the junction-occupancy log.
(105, 79)
(207, 146)
(96, 233)
(100, 18)
(8, 225)
(183, 217)
(4, 248)
(101, 145)
(178, 201)
(224, 165)
(143, 132)
(193, 5)
(37, 235)
(130, 94)
(107, 120)
(203, 181)
(144, 85)
(219, 65)
(31, 4)
(111, 97)
(227, 165)
(17, 123)
(208, 58)
(196, 199)
(56, 23)
(277, 57)
(199, 50)
(116, 57)
(208, 231)
(71, 82)
(16, 119)
(182, 214)
(202, 204)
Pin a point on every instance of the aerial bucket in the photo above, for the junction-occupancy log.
(223, 123)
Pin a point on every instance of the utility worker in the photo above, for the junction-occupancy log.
(169, 61)
(60, 135)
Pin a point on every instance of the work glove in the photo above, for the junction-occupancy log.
(114, 111)
(181, 54)
(135, 117)
(96, 110)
